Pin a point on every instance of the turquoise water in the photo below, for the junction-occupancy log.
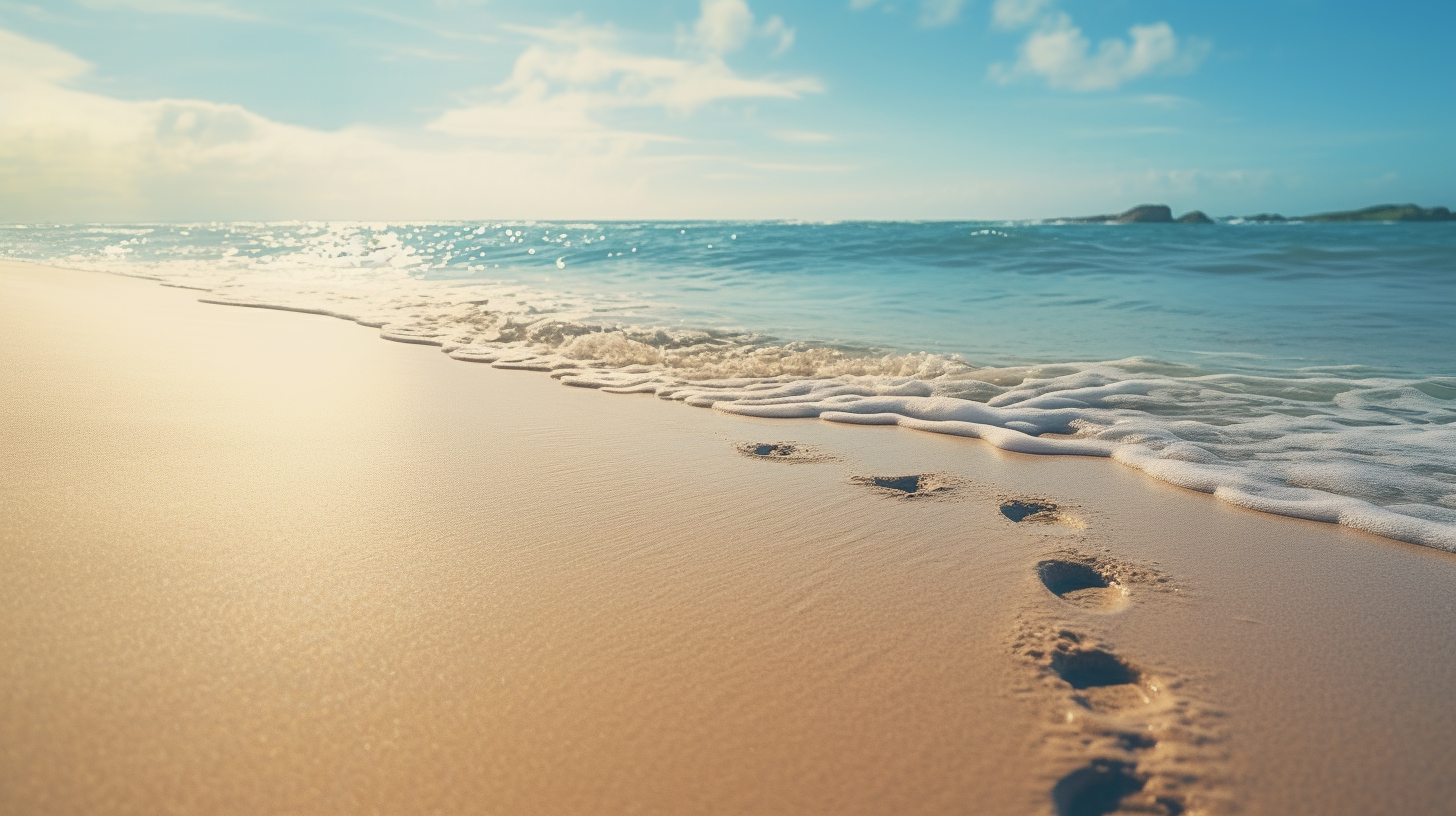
(1281, 296)
(1305, 369)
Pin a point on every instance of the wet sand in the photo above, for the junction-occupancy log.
(254, 562)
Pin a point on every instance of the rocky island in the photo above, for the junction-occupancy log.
(1162, 214)
(1143, 214)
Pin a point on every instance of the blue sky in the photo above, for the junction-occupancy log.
(220, 109)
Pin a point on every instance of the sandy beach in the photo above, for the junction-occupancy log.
(254, 562)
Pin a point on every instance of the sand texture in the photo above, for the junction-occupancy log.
(254, 562)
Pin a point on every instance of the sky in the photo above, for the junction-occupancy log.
(198, 110)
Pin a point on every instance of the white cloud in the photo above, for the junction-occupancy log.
(560, 88)
(776, 28)
(935, 13)
(25, 62)
(1058, 52)
(723, 26)
(541, 151)
(1017, 13)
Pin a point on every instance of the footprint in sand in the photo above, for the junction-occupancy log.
(1136, 741)
(917, 486)
(791, 452)
(1105, 786)
(1040, 511)
(1103, 682)
(1125, 722)
(1019, 511)
(1100, 583)
(1082, 584)
(1098, 788)
(1091, 668)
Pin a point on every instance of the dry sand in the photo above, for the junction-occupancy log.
(254, 562)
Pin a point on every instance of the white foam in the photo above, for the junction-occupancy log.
(1310, 468)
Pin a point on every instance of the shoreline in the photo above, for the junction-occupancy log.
(261, 563)
(1225, 455)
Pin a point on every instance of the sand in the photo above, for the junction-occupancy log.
(254, 562)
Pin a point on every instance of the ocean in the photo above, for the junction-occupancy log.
(1300, 369)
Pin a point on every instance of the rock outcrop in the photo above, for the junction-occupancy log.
(1143, 214)
(1147, 214)
(1194, 217)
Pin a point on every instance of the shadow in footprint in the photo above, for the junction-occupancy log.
(1081, 585)
(1063, 577)
(1021, 511)
(1097, 788)
(904, 484)
(1092, 668)
(916, 486)
(1133, 741)
(782, 452)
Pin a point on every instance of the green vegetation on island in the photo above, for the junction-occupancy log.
(1386, 212)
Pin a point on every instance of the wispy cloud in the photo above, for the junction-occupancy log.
(562, 85)
(442, 32)
(725, 26)
(936, 13)
(1058, 52)
(1017, 13)
(1166, 101)
(1191, 182)
(1120, 132)
(195, 8)
(801, 136)
(932, 13)
(393, 52)
(786, 167)
(776, 29)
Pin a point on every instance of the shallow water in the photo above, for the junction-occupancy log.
(1304, 369)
